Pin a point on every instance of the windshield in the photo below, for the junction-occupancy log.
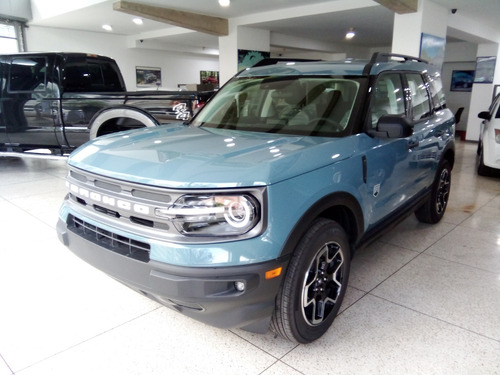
(317, 106)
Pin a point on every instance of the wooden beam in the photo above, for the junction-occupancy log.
(194, 21)
(400, 6)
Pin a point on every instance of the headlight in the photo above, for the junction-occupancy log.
(212, 215)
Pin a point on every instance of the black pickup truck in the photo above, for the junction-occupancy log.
(58, 101)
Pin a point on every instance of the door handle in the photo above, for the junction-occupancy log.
(413, 143)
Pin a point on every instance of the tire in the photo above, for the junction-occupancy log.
(433, 210)
(315, 283)
(482, 169)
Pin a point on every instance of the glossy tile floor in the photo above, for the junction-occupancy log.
(422, 300)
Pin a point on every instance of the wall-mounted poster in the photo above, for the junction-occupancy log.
(485, 69)
(432, 49)
(462, 80)
(148, 77)
(208, 77)
(247, 58)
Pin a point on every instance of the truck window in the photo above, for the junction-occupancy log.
(28, 74)
(87, 75)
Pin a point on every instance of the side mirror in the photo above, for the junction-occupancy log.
(485, 115)
(393, 126)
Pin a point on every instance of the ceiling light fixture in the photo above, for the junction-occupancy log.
(107, 27)
(224, 3)
(350, 34)
(137, 21)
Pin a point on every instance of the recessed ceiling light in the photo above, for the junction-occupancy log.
(224, 3)
(350, 34)
(107, 27)
(137, 21)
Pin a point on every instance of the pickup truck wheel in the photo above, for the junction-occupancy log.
(115, 119)
(433, 210)
(315, 283)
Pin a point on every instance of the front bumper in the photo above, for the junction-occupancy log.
(207, 294)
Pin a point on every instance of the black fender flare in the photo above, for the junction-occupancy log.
(341, 207)
(116, 112)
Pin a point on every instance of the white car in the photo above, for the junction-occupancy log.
(489, 139)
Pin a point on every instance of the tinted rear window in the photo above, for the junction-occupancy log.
(91, 75)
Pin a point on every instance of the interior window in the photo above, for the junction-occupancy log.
(388, 98)
(419, 97)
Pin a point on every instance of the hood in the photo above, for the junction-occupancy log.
(179, 156)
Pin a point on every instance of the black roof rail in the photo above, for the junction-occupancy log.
(386, 57)
(273, 61)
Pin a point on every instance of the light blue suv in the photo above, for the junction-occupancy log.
(249, 215)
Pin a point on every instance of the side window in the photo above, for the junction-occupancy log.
(387, 97)
(436, 88)
(75, 75)
(419, 97)
(496, 107)
(91, 75)
(28, 74)
(103, 77)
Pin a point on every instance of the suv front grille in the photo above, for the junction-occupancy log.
(109, 240)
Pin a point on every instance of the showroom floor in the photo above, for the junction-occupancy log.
(422, 300)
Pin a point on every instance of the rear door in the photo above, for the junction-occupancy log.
(28, 106)
(398, 169)
(90, 83)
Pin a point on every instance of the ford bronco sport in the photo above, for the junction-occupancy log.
(248, 216)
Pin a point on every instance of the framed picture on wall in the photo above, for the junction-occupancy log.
(485, 69)
(432, 49)
(209, 77)
(247, 58)
(147, 76)
(462, 80)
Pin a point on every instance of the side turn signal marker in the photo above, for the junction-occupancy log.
(273, 273)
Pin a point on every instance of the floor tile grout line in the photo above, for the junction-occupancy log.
(88, 339)
(435, 318)
(6, 364)
(284, 363)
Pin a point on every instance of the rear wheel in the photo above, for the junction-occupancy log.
(482, 169)
(433, 210)
(315, 283)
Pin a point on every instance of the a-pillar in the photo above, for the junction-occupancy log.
(482, 93)
(239, 37)
(408, 28)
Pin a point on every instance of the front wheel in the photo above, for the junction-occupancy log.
(315, 283)
(433, 210)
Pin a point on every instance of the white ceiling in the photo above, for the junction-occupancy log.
(373, 24)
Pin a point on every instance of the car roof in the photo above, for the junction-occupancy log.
(379, 62)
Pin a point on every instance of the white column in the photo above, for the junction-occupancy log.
(482, 93)
(408, 28)
(239, 37)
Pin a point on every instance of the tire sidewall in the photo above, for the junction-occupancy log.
(323, 231)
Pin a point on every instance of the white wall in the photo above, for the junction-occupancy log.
(481, 92)
(19, 9)
(176, 68)
(459, 56)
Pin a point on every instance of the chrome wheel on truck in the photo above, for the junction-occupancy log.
(315, 283)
